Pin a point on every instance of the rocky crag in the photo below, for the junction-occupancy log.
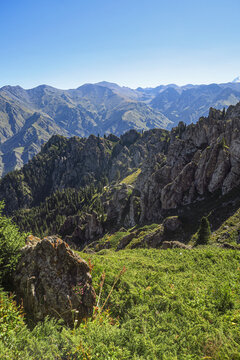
(187, 172)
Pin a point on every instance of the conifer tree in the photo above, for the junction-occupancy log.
(204, 232)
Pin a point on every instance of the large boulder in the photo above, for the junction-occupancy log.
(51, 279)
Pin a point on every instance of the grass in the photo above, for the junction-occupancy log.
(170, 305)
(175, 304)
(141, 233)
(130, 179)
(229, 231)
(112, 240)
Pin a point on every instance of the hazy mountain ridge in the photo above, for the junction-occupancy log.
(192, 103)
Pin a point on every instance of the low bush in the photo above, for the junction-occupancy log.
(204, 232)
(11, 240)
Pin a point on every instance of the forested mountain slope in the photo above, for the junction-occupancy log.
(106, 183)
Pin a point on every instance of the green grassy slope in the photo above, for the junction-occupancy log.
(229, 231)
(173, 304)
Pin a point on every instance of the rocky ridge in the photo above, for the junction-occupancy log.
(151, 176)
(28, 118)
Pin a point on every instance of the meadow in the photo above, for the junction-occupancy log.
(154, 304)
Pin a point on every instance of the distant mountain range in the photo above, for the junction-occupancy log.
(28, 118)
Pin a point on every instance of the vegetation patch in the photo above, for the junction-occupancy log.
(229, 231)
(111, 240)
(11, 240)
(151, 304)
(130, 179)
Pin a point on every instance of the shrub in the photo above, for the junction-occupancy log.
(223, 299)
(11, 316)
(204, 232)
(11, 240)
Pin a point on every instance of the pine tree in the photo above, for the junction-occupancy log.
(204, 232)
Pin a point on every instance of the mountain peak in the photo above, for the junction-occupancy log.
(108, 84)
(236, 80)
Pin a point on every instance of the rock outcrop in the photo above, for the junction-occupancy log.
(172, 223)
(52, 280)
(199, 160)
(81, 230)
(122, 206)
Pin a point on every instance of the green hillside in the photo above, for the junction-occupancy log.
(174, 304)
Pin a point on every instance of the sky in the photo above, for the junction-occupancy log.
(66, 43)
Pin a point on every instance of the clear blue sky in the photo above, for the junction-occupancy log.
(65, 43)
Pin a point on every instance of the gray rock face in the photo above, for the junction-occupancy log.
(172, 223)
(52, 280)
(129, 138)
(178, 192)
(80, 231)
(122, 206)
(199, 159)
